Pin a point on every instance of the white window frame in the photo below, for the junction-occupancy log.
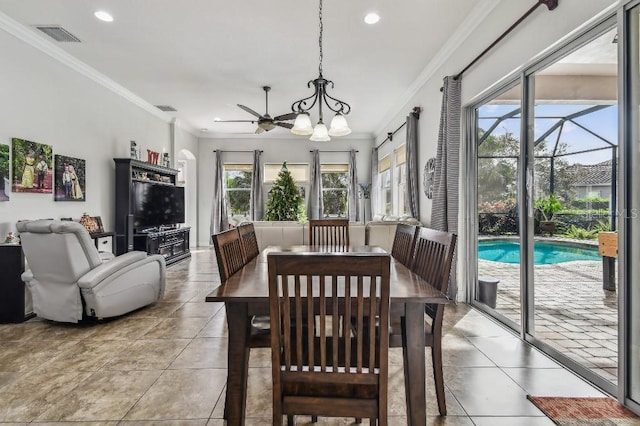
(236, 167)
(336, 168)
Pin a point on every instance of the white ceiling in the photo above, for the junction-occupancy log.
(205, 56)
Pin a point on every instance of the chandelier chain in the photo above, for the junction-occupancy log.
(320, 38)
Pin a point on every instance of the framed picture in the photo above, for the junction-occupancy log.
(4, 172)
(32, 166)
(70, 179)
(92, 224)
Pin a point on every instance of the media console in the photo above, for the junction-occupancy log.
(173, 244)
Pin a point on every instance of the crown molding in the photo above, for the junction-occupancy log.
(464, 30)
(29, 36)
(279, 136)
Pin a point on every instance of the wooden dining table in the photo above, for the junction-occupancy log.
(246, 294)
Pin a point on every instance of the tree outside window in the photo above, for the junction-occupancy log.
(238, 188)
(334, 189)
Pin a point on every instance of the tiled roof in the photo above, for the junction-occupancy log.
(593, 174)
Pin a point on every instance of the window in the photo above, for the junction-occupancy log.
(237, 179)
(401, 173)
(384, 171)
(334, 189)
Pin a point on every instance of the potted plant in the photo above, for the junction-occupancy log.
(548, 207)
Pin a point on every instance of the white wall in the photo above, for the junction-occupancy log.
(47, 102)
(185, 141)
(292, 150)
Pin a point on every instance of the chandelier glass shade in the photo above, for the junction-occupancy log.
(303, 125)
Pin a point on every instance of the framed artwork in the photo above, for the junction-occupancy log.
(32, 166)
(70, 179)
(4, 172)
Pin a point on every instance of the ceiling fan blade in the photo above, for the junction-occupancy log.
(285, 125)
(290, 116)
(259, 130)
(249, 110)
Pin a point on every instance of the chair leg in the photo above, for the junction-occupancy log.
(358, 420)
(291, 420)
(314, 419)
(438, 378)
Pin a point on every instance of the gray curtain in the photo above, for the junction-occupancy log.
(413, 179)
(316, 209)
(352, 189)
(373, 191)
(444, 210)
(219, 219)
(257, 207)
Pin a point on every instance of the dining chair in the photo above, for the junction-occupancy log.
(329, 232)
(248, 241)
(229, 253)
(403, 243)
(321, 365)
(432, 258)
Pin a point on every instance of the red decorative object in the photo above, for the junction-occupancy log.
(152, 156)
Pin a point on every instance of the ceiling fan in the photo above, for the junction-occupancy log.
(265, 121)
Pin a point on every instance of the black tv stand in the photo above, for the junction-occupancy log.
(171, 243)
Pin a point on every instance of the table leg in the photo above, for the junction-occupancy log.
(238, 363)
(414, 360)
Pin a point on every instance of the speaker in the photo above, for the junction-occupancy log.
(129, 233)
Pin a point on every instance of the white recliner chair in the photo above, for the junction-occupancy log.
(66, 272)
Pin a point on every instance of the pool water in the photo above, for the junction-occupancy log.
(545, 252)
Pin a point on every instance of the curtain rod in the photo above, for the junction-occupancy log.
(336, 150)
(551, 5)
(415, 112)
(221, 150)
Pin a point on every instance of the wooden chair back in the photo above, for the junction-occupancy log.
(432, 258)
(229, 253)
(403, 243)
(322, 359)
(248, 241)
(329, 232)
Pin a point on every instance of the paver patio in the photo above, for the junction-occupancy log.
(573, 313)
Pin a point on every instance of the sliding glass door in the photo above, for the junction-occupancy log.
(546, 158)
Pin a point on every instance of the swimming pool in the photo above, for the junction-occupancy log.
(545, 252)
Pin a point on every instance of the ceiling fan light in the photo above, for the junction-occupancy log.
(320, 133)
(339, 126)
(302, 126)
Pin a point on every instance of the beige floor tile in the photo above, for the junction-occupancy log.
(203, 353)
(198, 422)
(161, 309)
(26, 355)
(181, 394)
(216, 327)
(105, 395)
(24, 331)
(6, 378)
(88, 355)
(74, 423)
(198, 309)
(22, 401)
(176, 328)
(147, 354)
(124, 328)
(70, 331)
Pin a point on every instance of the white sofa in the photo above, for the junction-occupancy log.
(379, 233)
(296, 233)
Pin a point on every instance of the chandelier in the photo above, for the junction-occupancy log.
(302, 125)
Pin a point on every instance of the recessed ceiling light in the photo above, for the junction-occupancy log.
(371, 18)
(217, 118)
(204, 129)
(104, 16)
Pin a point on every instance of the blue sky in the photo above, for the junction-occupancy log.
(603, 122)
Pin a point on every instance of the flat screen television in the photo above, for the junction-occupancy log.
(156, 205)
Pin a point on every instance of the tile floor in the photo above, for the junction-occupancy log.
(166, 364)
